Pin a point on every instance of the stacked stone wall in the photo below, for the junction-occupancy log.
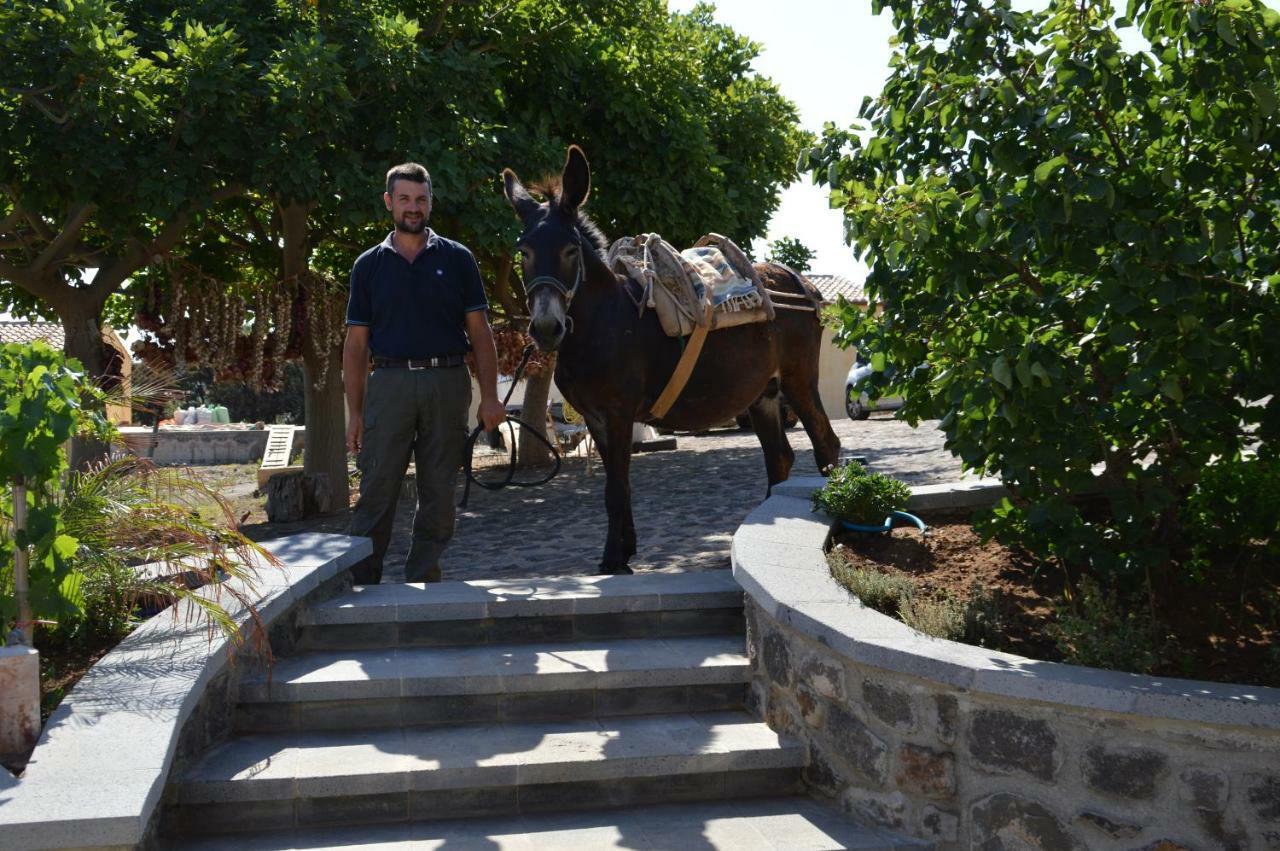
(967, 769)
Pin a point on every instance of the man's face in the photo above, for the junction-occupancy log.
(410, 205)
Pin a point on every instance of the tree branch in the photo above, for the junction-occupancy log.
(69, 234)
(437, 23)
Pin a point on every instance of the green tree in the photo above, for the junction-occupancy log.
(113, 142)
(1076, 247)
(791, 252)
(344, 90)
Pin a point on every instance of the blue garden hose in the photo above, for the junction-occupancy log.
(888, 523)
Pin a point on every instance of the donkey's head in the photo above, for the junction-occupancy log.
(554, 246)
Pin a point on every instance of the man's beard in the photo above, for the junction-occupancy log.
(415, 227)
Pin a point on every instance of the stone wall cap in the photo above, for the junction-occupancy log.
(778, 560)
(102, 760)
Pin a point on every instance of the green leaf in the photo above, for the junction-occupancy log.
(1171, 388)
(878, 362)
(1265, 96)
(1000, 372)
(1224, 30)
(1048, 168)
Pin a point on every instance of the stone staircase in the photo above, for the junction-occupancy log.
(586, 712)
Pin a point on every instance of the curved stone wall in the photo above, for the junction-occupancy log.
(100, 766)
(972, 748)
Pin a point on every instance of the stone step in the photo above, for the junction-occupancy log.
(408, 686)
(297, 780)
(762, 824)
(505, 611)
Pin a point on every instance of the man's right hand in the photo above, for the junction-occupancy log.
(355, 434)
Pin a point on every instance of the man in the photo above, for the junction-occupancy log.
(418, 306)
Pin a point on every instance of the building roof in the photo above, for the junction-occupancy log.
(29, 332)
(833, 286)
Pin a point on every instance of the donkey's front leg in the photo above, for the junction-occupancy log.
(620, 544)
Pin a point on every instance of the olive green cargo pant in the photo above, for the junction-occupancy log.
(423, 413)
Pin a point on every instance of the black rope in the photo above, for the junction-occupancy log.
(539, 433)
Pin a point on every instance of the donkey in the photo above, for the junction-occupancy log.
(614, 361)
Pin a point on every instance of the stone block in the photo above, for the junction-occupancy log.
(1108, 826)
(948, 712)
(890, 705)
(353, 809)
(811, 706)
(1204, 790)
(1124, 772)
(1004, 822)
(824, 677)
(926, 772)
(939, 825)
(1005, 742)
(882, 809)
(820, 776)
(777, 659)
(19, 703)
(862, 750)
(1264, 797)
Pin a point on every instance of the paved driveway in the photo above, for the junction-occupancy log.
(687, 503)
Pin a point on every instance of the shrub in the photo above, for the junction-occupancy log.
(943, 617)
(883, 592)
(1236, 504)
(1077, 250)
(1105, 631)
(853, 494)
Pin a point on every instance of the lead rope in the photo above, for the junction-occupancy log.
(511, 435)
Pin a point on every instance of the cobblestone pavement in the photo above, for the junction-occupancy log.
(687, 503)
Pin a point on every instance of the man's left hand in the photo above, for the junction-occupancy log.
(491, 414)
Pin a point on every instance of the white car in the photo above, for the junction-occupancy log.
(856, 404)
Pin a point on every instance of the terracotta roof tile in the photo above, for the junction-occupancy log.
(832, 286)
(29, 332)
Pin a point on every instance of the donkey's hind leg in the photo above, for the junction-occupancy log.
(767, 422)
(800, 385)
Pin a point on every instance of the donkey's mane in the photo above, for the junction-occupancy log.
(550, 189)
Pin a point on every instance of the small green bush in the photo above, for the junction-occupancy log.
(941, 618)
(855, 495)
(1105, 631)
(1235, 504)
(883, 592)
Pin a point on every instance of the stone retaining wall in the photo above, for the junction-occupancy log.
(197, 447)
(972, 748)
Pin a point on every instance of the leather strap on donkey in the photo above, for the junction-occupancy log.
(684, 368)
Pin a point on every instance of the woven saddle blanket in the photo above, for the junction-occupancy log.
(679, 285)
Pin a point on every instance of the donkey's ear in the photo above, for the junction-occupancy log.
(517, 195)
(575, 181)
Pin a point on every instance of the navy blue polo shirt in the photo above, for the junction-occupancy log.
(418, 309)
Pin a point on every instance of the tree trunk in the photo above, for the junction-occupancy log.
(537, 390)
(325, 450)
(82, 327)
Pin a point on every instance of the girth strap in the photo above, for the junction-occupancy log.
(684, 368)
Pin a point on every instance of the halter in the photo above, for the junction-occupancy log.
(559, 285)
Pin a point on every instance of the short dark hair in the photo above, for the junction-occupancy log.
(408, 171)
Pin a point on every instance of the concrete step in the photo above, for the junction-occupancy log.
(765, 824)
(409, 686)
(297, 780)
(505, 611)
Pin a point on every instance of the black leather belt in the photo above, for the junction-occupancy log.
(424, 363)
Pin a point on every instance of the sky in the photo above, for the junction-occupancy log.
(824, 55)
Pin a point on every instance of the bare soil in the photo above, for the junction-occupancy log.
(1224, 629)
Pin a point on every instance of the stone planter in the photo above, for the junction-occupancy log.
(968, 747)
(19, 703)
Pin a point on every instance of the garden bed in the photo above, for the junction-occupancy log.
(954, 585)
